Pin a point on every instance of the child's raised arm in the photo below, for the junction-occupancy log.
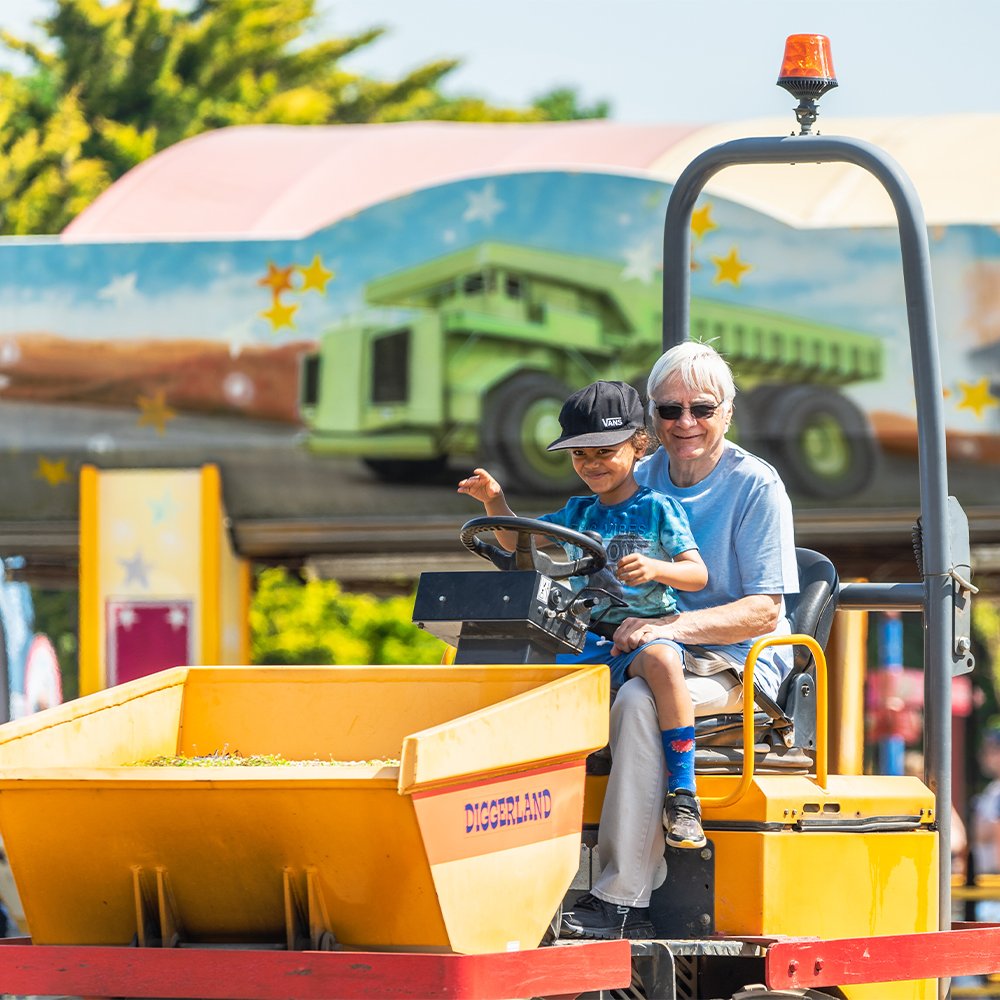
(483, 487)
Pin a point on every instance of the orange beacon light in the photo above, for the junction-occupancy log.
(807, 73)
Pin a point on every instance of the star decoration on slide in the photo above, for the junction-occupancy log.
(701, 221)
(52, 470)
(641, 263)
(280, 314)
(163, 507)
(238, 336)
(278, 279)
(136, 570)
(315, 276)
(483, 206)
(100, 444)
(120, 289)
(154, 412)
(176, 617)
(127, 617)
(730, 268)
(976, 396)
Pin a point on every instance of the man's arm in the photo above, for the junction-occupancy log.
(739, 621)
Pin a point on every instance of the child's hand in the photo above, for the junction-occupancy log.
(481, 486)
(636, 568)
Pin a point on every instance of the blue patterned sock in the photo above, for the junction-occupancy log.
(678, 748)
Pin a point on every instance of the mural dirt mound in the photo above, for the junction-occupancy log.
(199, 376)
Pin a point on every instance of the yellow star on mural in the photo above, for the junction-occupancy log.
(315, 276)
(730, 267)
(278, 279)
(154, 412)
(976, 396)
(280, 315)
(53, 471)
(701, 221)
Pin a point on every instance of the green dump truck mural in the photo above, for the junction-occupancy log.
(495, 337)
(442, 328)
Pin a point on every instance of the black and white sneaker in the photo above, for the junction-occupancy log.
(591, 917)
(682, 820)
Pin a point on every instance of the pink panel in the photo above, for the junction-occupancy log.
(146, 636)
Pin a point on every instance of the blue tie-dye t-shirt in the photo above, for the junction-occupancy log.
(647, 522)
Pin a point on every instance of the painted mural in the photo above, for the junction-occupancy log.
(356, 372)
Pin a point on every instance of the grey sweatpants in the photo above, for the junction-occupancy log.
(630, 840)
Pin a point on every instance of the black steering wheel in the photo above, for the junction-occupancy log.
(525, 556)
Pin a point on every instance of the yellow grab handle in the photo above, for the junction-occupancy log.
(748, 712)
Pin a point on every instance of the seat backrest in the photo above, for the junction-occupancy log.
(811, 610)
(791, 716)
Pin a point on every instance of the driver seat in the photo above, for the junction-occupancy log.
(785, 726)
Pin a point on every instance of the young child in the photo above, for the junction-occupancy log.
(651, 553)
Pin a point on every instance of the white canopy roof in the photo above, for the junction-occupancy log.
(278, 181)
(951, 159)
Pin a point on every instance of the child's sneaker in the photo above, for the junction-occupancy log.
(682, 820)
(595, 918)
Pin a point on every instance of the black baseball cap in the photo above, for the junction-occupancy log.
(599, 415)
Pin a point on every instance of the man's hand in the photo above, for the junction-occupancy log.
(636, 568)
(633, 632)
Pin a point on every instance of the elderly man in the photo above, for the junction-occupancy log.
(741, 519)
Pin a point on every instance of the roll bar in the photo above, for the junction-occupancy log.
(938, 585)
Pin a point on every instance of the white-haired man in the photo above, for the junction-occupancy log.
(741, 519)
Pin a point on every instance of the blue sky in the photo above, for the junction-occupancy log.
(676, 60)
(696, 60)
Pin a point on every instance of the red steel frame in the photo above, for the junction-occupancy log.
(967, 949)
(559, 972)
(223, 973)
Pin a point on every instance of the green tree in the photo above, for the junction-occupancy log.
(314, 622)
(46, 177)
(563, 104)
(118, 82)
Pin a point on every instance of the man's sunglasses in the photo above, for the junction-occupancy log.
(673, 411)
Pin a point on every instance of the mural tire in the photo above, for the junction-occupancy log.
(820, 442)
(520, 419)
(750, 416)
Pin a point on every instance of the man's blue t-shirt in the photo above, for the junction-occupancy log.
(742, 518)
(647, 522)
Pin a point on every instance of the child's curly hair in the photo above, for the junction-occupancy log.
(641, 441)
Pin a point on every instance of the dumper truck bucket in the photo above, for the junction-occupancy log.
(426, 807)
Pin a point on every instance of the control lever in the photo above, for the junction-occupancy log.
(614, 601)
